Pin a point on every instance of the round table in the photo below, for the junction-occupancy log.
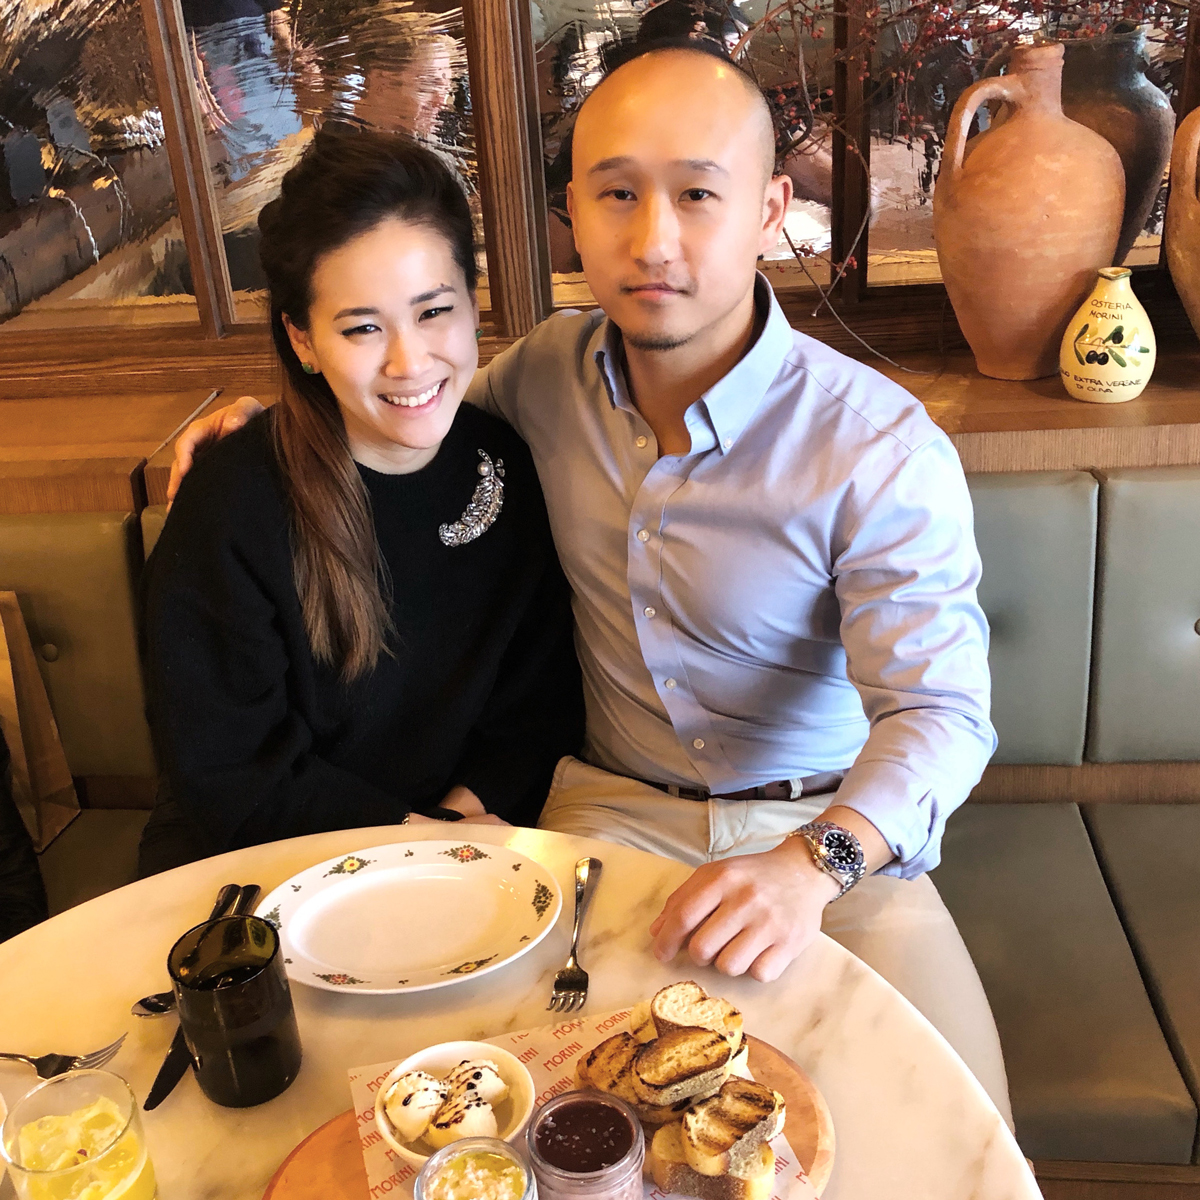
(910, 1119)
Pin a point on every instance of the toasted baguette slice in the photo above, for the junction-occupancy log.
(687, 1004)
(739, 1064)
(669, 1168)
(654, 1115)
(641, 1023)
(680, 1065)
(612, 1078)
(609, 1068)
(722, 1135)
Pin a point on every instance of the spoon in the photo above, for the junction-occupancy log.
(158, 1004)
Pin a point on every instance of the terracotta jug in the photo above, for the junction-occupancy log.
(1024, 215)
(1182, 233)
(1105, 88)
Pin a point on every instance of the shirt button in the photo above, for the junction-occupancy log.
(727, 443)
(669, 683)
(650, 610)
(641, 443)
(699, 743)
(643, 536)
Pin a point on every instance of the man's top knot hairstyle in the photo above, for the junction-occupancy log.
(624, 53)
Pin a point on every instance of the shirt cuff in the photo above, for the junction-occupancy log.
(905, 810)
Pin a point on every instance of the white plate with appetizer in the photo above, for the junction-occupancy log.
(411, 916)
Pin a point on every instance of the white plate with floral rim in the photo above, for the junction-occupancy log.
(412, 916)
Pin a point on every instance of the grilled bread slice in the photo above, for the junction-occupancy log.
(642, 1023)
(722, 1135)
(680, 1064)
(667, 1165)
(687, 1004)
(652, 1116)
(739, 1064)
(609, 1067)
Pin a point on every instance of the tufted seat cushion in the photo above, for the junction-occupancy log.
(1089, 1072)
(73, 574)
(1151, 858)
(1146, 688)
(1036, 533)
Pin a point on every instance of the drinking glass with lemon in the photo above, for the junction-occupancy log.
(78, 1136)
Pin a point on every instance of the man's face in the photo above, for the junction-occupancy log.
(410, 99)
(669, 200)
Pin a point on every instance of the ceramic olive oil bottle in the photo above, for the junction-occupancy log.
(1108, 351)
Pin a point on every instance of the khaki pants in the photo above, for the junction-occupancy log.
(898, 927)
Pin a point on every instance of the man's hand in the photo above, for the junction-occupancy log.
(753, 913)
(757, 912)
(211, 428)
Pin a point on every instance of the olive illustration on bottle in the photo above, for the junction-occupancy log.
(1106, 347)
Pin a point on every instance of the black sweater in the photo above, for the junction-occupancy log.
(258, 741)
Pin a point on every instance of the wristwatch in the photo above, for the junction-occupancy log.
(835, 850)
(437, 813)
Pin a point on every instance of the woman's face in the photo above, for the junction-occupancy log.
(392, 329)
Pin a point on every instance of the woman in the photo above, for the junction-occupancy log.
(354, 615)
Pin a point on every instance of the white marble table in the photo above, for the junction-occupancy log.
(910, 1120)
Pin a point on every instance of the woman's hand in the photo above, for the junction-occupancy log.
(211, 428)
(463, 800)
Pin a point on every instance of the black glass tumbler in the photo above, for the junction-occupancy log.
(235, 1009)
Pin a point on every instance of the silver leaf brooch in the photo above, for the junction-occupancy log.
(485, 506)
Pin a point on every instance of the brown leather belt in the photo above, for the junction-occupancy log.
(781, 789)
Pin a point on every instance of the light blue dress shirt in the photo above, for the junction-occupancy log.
(793, 596)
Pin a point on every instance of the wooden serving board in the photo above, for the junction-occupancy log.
(328, 1164)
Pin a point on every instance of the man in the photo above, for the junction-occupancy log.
(772, 557)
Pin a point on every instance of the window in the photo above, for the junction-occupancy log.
(89, 227)
(141, 138)
(265, 74)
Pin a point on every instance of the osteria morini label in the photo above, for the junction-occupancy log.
(1108, 352)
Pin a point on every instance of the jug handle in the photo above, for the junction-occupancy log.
(999, 87)
(1183, 158)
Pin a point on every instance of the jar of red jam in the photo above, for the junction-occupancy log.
(586, 1146)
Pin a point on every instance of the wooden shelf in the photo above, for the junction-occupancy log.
(1002, 425)
(133, 396)
(85, 453)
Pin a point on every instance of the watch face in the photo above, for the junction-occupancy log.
(841, 850)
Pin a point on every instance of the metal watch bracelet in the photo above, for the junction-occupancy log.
(847, 872)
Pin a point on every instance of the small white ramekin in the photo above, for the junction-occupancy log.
(439, 1061)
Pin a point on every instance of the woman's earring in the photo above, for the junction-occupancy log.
(478, 334)
(308, 368)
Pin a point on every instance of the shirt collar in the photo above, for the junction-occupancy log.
(731, 401)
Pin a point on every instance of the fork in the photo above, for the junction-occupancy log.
(571, 983)
(49, 1065)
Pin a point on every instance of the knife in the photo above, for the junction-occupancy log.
(179, 1057)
